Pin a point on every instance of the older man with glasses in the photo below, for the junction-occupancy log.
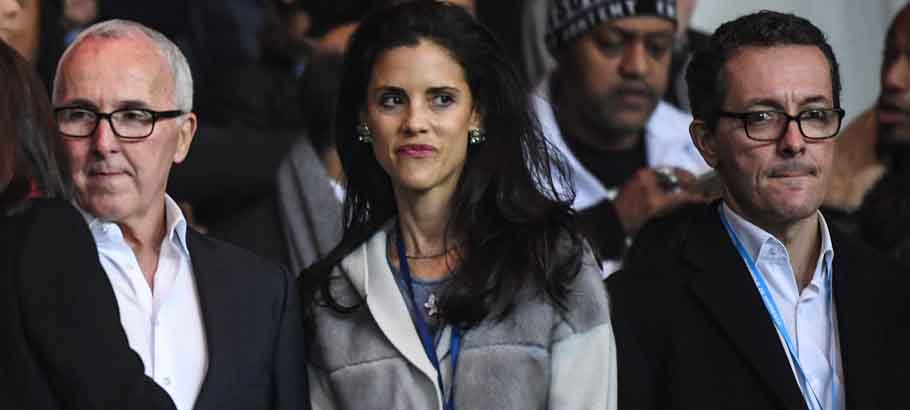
(215, 326)
(760, 304)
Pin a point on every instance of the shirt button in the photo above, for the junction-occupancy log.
(166, 381)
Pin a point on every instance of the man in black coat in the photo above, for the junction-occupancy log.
(61, 344)
(215, 326)
(752, 302)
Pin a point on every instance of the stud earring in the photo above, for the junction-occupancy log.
(476, 136)
(363, 133)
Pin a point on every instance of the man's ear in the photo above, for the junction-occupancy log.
(705, 140)
(185, 134)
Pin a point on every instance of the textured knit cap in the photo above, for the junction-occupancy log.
(569, 19)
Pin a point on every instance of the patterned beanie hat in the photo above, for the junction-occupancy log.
(569, 19)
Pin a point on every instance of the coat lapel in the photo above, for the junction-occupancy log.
(214, 295)
(379, 289)
(860, 329)
(722, 282)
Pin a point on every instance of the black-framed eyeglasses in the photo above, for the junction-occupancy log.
(814, 124)
(127, 123)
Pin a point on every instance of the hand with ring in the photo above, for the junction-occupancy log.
(653, 192)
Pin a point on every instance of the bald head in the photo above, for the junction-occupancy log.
(169, 54)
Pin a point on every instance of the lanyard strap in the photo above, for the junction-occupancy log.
(777, 319)
(424, 330)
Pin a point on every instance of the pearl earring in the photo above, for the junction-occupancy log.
(476, 136)
(363, 133)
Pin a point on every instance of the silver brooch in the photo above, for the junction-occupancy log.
(430, 306)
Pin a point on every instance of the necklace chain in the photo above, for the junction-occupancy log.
(435, 255)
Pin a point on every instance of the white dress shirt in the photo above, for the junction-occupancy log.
(164, 324)
(806, 316)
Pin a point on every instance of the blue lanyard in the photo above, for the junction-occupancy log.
(425, 339)
(778, 320)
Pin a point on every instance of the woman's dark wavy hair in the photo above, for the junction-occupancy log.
(519, 229)
(705, 75)
(29, 147)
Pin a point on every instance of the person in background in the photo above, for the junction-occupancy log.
(870, 192)
(461, 280)
(300, 222)
(61, 345)
(77, 15)
(687, 41)
(214, 35)
(262, 94)
(629, 151)
(33, 28)
(538, 62)
(252, 136)
(760, 303)
(19, 26)
(215, 326)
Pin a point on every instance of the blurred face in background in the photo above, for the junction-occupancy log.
(618, 71)
(20, 25)
(894, 103)
(77, 13)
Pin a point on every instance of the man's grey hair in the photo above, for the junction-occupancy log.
(180, 68)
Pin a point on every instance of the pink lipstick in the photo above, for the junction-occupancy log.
(416, 150)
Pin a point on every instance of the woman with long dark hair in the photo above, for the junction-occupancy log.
(61, 344)
(30, 157)
(461, 280)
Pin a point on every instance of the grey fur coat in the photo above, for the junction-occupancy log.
(537, 358)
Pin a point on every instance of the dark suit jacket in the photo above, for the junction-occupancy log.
(254, 330)
(61, 342)
(692, 332)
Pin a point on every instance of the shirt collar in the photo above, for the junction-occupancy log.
(751, 236)
(175, 225)
(754, 238)
(826, 256)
